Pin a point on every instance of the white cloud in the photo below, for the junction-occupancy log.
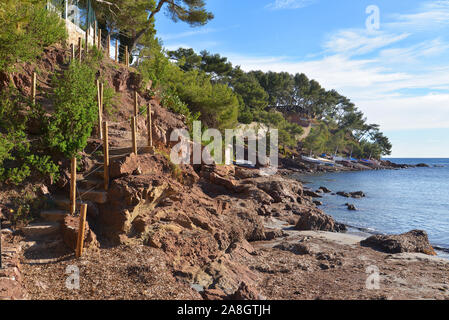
(289, 4)
(386, 97)
(360, 41)
(430, 16)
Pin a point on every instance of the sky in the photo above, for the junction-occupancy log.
(391, 58)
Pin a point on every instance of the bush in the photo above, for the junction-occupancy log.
(76, 110)
(18, 156)
(26, 30)
(172, 102)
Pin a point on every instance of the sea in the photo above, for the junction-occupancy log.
(396, 201)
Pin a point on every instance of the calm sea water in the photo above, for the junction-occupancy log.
(396, 201)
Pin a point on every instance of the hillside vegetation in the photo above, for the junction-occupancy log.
(204, 86)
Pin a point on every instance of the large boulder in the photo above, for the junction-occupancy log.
(281, 190)
(413, 241)
(318, 221)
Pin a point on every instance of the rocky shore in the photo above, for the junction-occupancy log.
(163, 231)
(289, 165)
(224, 233)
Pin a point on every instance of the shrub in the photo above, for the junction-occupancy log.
(26, 30)
(76, 110)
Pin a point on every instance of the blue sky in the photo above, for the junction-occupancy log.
(397, 74)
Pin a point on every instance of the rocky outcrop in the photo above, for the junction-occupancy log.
(413, 241)
(296, 248)
(422, 165)
(324, 189)
(355, 195)
(318, 221)
(245, 292)
(351, 207)
(312, 194)
(281, 190)
(11, 287)
(343, 194)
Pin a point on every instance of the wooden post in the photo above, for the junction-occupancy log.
(86, 50)
(136, 104)
(149, 124)
(102, 96)
(33, 87)
(81, 230)
(72, 50)
(134, 135)
(73, 187)
(80, 48)
(126, 56)
(106, 155)
(95, 34)
(116, 50)
(108, 45)
(100, 113)
(99, 39)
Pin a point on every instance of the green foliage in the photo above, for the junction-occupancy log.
(252, 93)
(172, 102)
(192, 93)
(136, 17)
(287, 131)
(76, 110)
(27, 28)
(26, 207)
(44, 165)
(18, 156)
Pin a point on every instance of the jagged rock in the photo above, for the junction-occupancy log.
(281, 190)
(273, 234)
(312, 194)
(422, 165)
(343, 194)
(317, 203)
(214, 294)
(124, 167)
(243, 173)
(325, 190)
(413, 241)
(351, 207)
(245, 292)
(357, 194)
(296, 248)
(319, 221)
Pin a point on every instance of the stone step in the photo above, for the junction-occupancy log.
(64, 203)
(127, 151)
(94, 196)
(54, 215)
(91, 182)
(41, 229)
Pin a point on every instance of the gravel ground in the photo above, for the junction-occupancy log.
(120, 273)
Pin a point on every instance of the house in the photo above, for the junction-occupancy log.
(79, 16)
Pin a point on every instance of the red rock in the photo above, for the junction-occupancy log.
(70, 234)
(214, 294)
(245, 292)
